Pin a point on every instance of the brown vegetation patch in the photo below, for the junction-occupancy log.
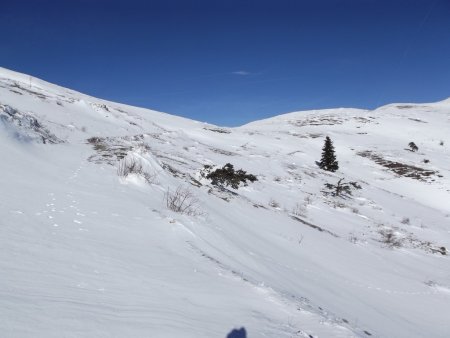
(110, 150)
(222, 151)
(29, 91)
(326, 120)
(363, 119)
(218, 130)
(401, 169)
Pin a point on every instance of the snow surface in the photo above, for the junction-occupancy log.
(86, 253)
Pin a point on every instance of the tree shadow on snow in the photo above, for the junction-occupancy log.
(238, 333)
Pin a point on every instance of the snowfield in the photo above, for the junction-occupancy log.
(85, 252)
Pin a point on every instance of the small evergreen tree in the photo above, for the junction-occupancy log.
(328, 160)
(341, 188)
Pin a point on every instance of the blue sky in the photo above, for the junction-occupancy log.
(231, 62)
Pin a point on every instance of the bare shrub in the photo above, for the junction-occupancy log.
(339, 205)
(441, 143)
(390, 239)
(353, 239)
(150, 178)
(299, 210)
(406, 220)
(143, 147)
(129, 165)
(183, 201)
(308, 200)
(132, 165)
(273, 203)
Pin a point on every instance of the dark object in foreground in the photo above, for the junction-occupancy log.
(238, 333)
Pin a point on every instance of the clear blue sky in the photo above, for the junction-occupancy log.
(231, 62)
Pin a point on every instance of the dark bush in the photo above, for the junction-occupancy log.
(227, 176)
(413, 147)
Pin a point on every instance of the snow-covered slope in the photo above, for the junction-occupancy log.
(86, 253)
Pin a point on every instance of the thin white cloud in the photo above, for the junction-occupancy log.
(241, 72)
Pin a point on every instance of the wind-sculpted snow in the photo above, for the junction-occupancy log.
(89, 248)
(25, 127)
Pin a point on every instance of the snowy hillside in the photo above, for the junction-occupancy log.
(85, 252)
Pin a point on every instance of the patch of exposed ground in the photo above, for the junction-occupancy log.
(401, 169)
(219, 130)
(325, 120)
(110, 150)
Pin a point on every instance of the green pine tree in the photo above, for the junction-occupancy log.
(328, 160)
